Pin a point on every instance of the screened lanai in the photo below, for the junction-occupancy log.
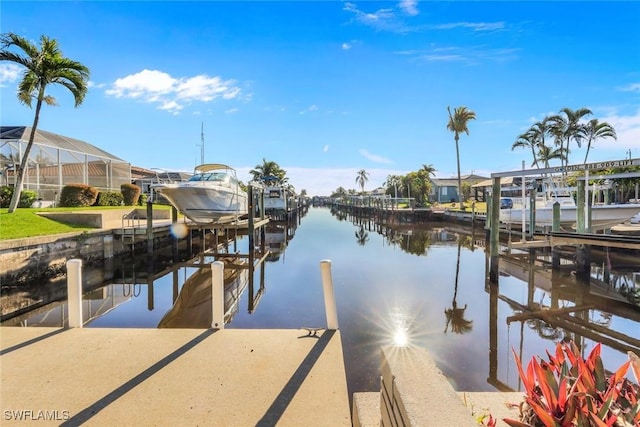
(55, 161)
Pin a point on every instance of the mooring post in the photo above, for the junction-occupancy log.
(149, 226)
(329, 296)
(494, 240)
(555, 225)
(581, 226)
(74, 292)
(217, 295)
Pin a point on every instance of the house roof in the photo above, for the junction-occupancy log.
(489, 182)
(453, 182)
(49, 139)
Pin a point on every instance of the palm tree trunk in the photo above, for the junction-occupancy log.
(459, 180)
(17, 190)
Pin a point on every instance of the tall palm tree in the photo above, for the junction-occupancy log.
(44, 65)
(457, 124)
(269, 168)
(527, 140)
(362, 177)
(566, 126)
(547, 153)
(595, 130)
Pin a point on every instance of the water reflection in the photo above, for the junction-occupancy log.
(362, 236)
(393, 290)
(193, 307)
(455, 315)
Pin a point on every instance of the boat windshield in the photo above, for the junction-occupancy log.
(210, 176)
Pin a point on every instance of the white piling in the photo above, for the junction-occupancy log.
(217, 294)
(74, 292)
(329, 296)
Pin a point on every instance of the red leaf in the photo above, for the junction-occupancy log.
(544, 416)
(526, 381)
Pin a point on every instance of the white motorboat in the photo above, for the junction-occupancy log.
(602, 215)
(212, 194)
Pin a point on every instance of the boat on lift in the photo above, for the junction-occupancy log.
(602, 215)
(212, 195)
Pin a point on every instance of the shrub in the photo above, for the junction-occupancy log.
(5, 196)
(130, 193)
(108, 198)
(78, 195)
(142, 201)
(27, 197)
(569, 390)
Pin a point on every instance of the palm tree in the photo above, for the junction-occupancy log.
(534, 138)
(458, 124)
(547, 153)
(267, 169)
(429, 169)
(43, 65)
(361, 178)
(527, 140)
(566, 126)
(595, 130)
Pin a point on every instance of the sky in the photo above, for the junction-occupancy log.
(327, 88)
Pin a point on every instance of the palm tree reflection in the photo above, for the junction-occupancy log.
(455, 315)
(362, 236)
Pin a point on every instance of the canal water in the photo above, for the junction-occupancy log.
(405, 284)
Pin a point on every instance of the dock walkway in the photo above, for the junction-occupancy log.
(173, 377)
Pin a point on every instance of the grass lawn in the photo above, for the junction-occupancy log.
(25, 222)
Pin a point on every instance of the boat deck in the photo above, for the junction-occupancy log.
(173, 377)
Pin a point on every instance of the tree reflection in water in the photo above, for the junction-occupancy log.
(455, 315)
(362, 236)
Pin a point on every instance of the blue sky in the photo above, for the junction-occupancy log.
(327, 88)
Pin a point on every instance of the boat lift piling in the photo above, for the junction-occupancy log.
(583, 212)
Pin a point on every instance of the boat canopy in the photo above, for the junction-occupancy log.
(208, 167)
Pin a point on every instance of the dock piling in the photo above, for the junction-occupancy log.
(329, 295)
(217, 294)
(74, 292)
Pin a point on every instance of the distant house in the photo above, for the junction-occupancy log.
(445, 190)
(143, 178)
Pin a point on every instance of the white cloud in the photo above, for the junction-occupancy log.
(9, 73)
(633, 87)
(374, 157)
(475, 26)
(172, 93)
(232, 110)
(325, 148)
(346, 46)
(627, 130)
(470, 55)
(410, 7)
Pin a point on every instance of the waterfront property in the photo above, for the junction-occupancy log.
(426, 283)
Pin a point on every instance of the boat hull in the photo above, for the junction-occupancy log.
(203, 203)
(604, 216)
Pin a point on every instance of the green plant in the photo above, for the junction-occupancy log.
(108, 198)
(78, 195)
(130, 193)
(27, 197)
(568, 390)
(142, 201)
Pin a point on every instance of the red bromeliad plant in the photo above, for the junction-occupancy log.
(570, 391)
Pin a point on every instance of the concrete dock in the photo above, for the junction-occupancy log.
(172, 377)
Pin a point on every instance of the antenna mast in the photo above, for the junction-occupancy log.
(202, 144)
